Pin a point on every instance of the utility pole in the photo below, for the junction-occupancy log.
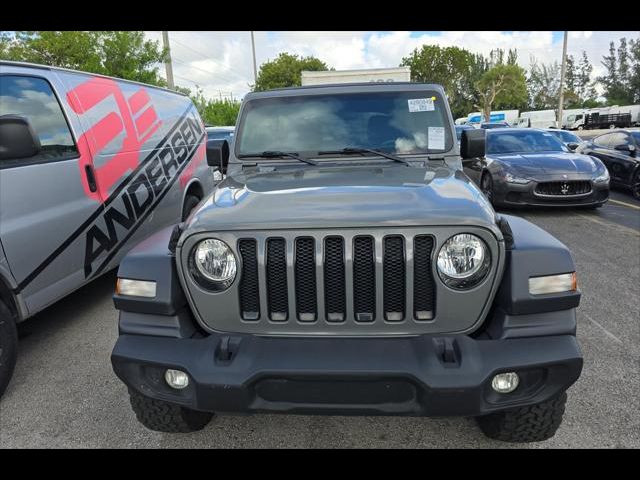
(562, 71)
(255, 69)
(167, 64)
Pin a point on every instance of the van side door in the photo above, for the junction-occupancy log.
(42, 197)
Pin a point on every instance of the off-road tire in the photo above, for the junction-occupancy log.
(167, 417)
(8, 346)
(525, 424)
(189, 204)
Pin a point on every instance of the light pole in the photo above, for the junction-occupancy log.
(255, 69)
(167, 64)
(562, 71)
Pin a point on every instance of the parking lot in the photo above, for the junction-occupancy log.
(64, 393)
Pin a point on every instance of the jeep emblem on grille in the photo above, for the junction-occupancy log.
(564, 189)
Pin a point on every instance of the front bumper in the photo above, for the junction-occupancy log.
(513, 194)
(422, 375)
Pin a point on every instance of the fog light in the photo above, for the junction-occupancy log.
(136, 288)
(176, 379)
(505, 382)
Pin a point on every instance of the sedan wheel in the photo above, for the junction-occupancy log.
(486, 185)
(635, 186)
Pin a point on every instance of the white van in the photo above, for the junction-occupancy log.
(509, 116)
(537, 119)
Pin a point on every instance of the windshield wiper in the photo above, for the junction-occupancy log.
(277, 154)
(356, 150)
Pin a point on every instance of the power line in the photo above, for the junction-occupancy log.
(208, 57)
(204, 70)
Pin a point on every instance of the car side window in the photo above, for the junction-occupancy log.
(34, 99)
(603, 140)
(618, 140)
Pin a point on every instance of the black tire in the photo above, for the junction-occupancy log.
(525, 424)
(189, 204)
(635, 186)
(486, 185)
(167, 417)
(8, 346)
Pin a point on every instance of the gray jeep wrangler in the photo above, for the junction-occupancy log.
(346, 265)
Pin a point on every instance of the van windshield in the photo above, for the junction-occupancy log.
(394, 122)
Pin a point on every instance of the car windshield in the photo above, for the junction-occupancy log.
(636, 135)
(528, 141)
(565, 136)
(459, 131)
(393, 122)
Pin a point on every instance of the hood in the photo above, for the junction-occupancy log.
(541, 165)
(343, 196)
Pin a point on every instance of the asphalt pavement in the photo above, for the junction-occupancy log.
(64, 393)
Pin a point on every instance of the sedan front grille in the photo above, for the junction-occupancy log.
(350, 289)
(564, 188)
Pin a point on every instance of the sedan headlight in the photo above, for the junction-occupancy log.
(510, 178)
(212, 264)
(603, 177)
(463, 261)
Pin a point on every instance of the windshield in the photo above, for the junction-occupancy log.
(636, 135)
(508, 141)
(565, 136)
(459, 131)
(393, 122)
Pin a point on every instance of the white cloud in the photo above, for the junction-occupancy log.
(221, 62)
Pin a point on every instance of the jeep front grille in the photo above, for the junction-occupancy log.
(350, 289)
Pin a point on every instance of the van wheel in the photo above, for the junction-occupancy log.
(612, 126)
(8, 346)
(167, 417)
(534, 423)
(189, 204)
(580, 127)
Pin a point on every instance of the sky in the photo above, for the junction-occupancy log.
(221, 62)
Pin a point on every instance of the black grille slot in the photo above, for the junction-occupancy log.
(277, 279)
(249, 291)
(364, 279)
(334, 281)
(305, 268)
(563, 188)
(393, 266)
(423, 286)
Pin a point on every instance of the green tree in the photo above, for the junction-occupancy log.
(456, 69)
(617, 80)
(214, 112)
(634, 79)
(544, 85)
(120, 54)
(285, 71)
(501, 85)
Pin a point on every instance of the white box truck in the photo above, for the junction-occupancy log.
(509, 116)
(400, 74)
(537, 119)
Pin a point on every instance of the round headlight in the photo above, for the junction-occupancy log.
(463, 261)
(213, 264)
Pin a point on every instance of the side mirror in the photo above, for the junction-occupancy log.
(473, 143)
(573, 145)
(626, 148)
(17, 138)
(218, 154)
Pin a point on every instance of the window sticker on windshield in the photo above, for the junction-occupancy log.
(421, 104)
(436, 138)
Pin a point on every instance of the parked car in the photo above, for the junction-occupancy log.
(220, 133)
(491, 125)
(532, 167)
(619, 152)
(89, 166)
(349, 271)
(569, 139)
